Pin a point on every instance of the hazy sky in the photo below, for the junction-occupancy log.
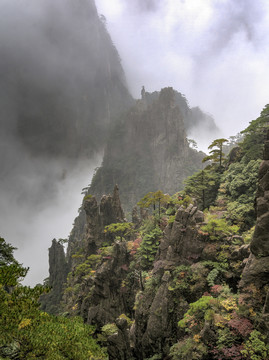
(35, 211)
(216, 52)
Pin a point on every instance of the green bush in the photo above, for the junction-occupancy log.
(198, 308)
(255, 348)
(28, 333)
(148, 248)
(189, 349)
(218, 228)
(109, 329)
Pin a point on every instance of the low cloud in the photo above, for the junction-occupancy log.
(215, 52)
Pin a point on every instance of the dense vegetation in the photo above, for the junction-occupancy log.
(165, 285)
(28, 333)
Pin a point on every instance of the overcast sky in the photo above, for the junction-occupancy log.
(216, 52)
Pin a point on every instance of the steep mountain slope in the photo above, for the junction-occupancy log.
(186, 285)
(62, 84)
(148, 149)
(62, 79)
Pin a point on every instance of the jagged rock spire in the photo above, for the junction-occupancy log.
(116, 203)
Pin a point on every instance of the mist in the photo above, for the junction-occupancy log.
(40, 198)
(61, 79)
(57, 64)
(214, 52)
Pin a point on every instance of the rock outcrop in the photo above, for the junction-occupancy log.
(99, 297)
(119, 343)
(148, 149)
(86, 238)
(182, 243)
(157, 310)
(58, 269)
(108, 299)
(99, 216)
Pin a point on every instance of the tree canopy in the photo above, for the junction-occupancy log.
(254, 135)
(120, 229)
(203, 186)
(28, 333)
(217, 155)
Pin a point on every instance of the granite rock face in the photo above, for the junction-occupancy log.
(108, 300)
(157, 313)
(181, 241)
(98, 216)
(58, 269)
(148, 149)
(119, 344)
(85, 239)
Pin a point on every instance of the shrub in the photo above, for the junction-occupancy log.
(188, 349)
(218, 228)
(109, 329)
(148, 248)
(255, 347)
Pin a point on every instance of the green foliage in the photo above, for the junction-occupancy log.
(256, 348)
(28, 333)
(182, 277)
(148, 248)
(109, 329)
(215, 265)
(129, 321)
(254, 135)
(11, 272)
(147, 226)
(87, 268)
(106, 250)
(203, 186)
(6, 253)
(59, 338)
(241, 214)
(198, 308)
(248, 235)
(218, 228)
(120, 229)
(171, 219)
(189, 348)
(156, 200)
(217, 155)
(212, 277)
(151, 281)
(178, 199)
(240, 181)
(87, 197)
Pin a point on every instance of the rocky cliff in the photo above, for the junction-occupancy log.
(179, 286)
(148, 149)
(58, 270)
(136, 304)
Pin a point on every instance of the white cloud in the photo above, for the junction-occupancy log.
(216, 52)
